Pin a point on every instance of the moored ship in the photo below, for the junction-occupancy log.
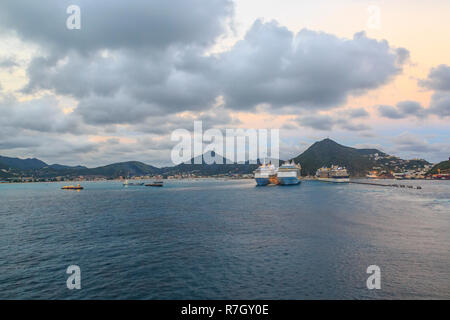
(157, 182)
(333, 174)
(131, 184)
(289, 174)
(266, 174)
(372, 175)
(77, 187)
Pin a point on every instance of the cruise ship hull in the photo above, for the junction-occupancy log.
(286, 181)
(262, 181)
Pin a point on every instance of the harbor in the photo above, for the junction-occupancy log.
(289, 173)
(274, 241)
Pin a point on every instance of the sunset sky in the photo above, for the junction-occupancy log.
(363, 73)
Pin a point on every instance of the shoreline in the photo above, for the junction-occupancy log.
(355, 179)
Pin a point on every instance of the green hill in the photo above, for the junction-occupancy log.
(22, 164)
(131, 168)
(15, 168)
(444, 166)
(327, 152)
(115, 170)
(4, 171)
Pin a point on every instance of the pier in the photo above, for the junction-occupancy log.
(387, 185)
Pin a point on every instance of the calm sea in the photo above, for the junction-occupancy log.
(216, 239)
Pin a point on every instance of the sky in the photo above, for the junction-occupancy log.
(363, 73)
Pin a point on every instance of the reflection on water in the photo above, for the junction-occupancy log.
(225, 240)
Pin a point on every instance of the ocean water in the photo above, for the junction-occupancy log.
(217, 239)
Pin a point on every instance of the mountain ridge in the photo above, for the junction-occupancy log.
(321, 153)
(23, 164)
(328, 152)
(441, 167)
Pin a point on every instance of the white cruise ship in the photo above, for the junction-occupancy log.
(289, 174)
(333, 174)
(265, 174)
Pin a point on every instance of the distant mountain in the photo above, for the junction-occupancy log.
(124, 169)
(15, 167)
(327, 152)
(115, 170)
(63, 167)
(358, 161)
(443, 166)
(323, 153)
(22, 164)
(221, 166)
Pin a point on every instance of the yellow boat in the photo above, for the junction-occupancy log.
(77, 187)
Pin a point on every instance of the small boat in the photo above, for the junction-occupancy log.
(131, 184)
(77, 187)
(156, 183)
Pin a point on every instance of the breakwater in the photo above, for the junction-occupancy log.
(394, 185)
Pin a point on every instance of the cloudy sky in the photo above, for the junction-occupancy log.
(364, 73)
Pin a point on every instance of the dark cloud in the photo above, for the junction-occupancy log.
(324, 122)
(440, 105)
(403, 56)
(357, 113)
(403, 110)
(41, 115)
(311, 69)
(117, 24)
(390, 112)
(19, 141)
(349, 126)
(11, 142)
(8, 63)
(120, 76)
(130, 60)
(411, 108)
(142, 69)
(411, 143)
(409, 146)
(318, 122)
(151, 81)
(438, 79)
(215, 118)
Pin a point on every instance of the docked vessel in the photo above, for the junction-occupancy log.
(131, 184)
(266, 174)
(333, 174)
(77, 187)
(155, 183)
(442, 176)
(289, 174)
(372, 175)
